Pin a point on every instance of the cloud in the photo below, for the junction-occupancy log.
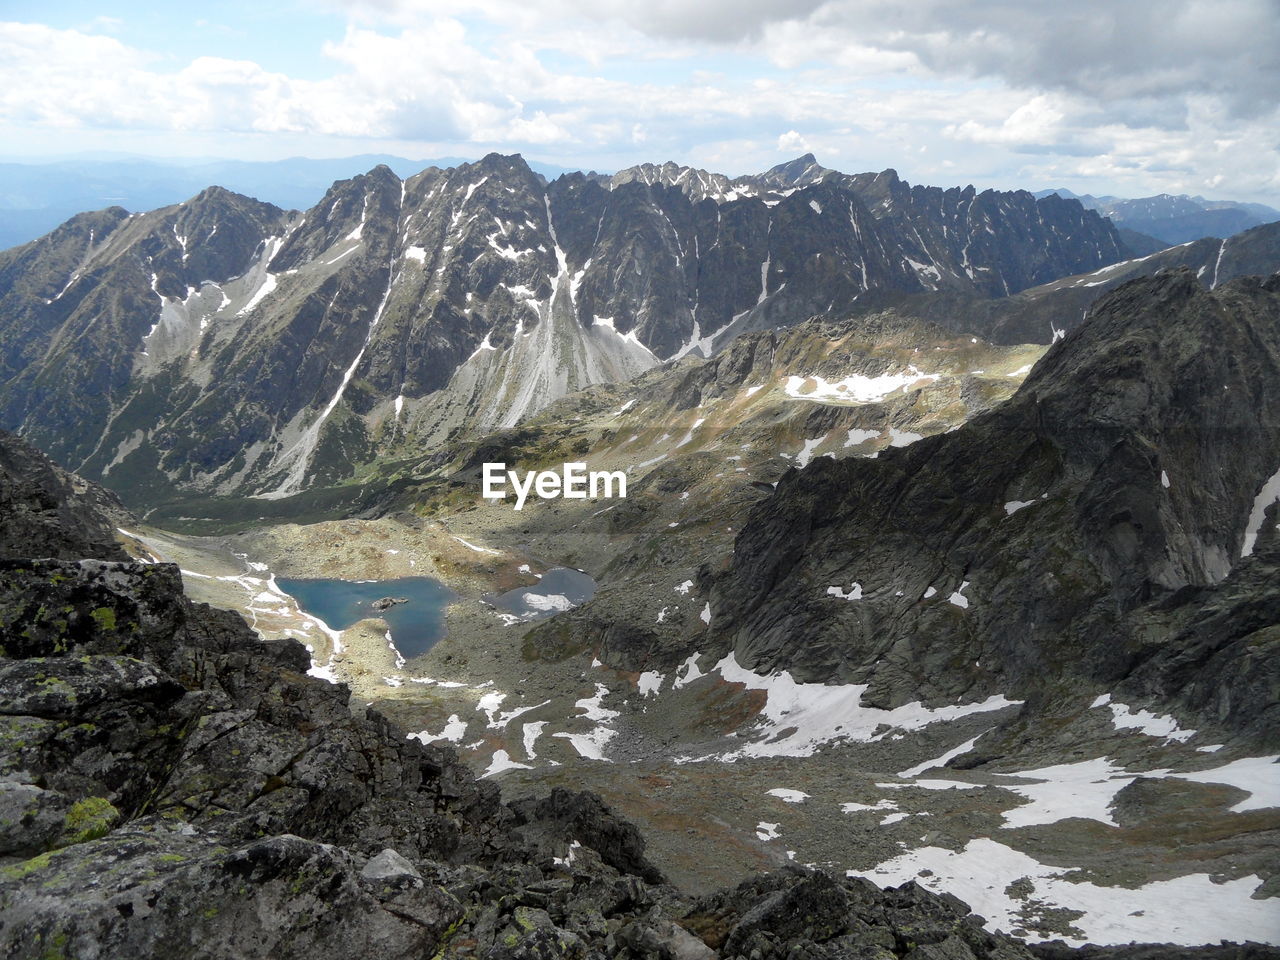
(1106, 51)
(1095, 96)
(1097, 48)
(714, 20)
(792, 142)
(425, 83)
(1036, 122)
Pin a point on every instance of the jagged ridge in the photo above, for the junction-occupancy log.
(224, 345)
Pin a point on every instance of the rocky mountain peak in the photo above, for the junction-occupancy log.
(499, 164)
(213, 194)
(795, 173)
(692, 182)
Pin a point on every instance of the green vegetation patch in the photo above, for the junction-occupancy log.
(88, 819)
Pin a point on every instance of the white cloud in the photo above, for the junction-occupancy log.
(792, 142)
(1096, 96)
(1038, 121)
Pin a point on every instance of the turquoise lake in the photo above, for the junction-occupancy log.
(415, 625)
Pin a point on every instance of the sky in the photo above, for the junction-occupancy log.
(1121, 97)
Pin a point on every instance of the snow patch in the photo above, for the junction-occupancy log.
(501, 761)
(454, 730)
(855, 388)
(649, 683)
(1269, 494)
(691, 672)
(531, 732)
(854, 592)
(1260, 776)
(477, 549)
(767, 831)
(860, 807)
(941, 761)
(689, 436)
(858, 436)
(806, 452)
(1189, 910)
(788, 796)
(1153, 725)
(800, 717)
(553, 601)
(1085, 789)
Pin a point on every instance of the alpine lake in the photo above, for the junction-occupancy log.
(414, 607)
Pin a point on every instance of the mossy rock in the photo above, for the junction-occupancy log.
(88, 819)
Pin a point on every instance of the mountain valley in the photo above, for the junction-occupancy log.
(948, 556)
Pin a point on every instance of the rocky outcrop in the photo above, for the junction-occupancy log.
(216, 800)
(44, 506)
(796, 912)
(1113, 506)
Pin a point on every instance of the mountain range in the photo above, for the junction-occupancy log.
(1174, 219)
(226, 345)
(36, 195)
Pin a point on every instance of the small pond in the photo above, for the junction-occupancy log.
(560, 589)
(415, 624)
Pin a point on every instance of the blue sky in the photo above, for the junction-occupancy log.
(1178, 96)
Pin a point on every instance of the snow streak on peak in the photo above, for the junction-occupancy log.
(297, 458)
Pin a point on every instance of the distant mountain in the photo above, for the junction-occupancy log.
(1175, 219)
(1140, 243)
(36, 197)
(1045, 313)
(227, 345)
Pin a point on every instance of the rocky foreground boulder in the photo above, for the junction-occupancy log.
(173, 786)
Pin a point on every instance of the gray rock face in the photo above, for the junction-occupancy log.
(1054, 536)
(47, 507)
(665, 940)
(215, 800)
(151, 890)
(227, 346)
(821, 917)
(389, 866)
